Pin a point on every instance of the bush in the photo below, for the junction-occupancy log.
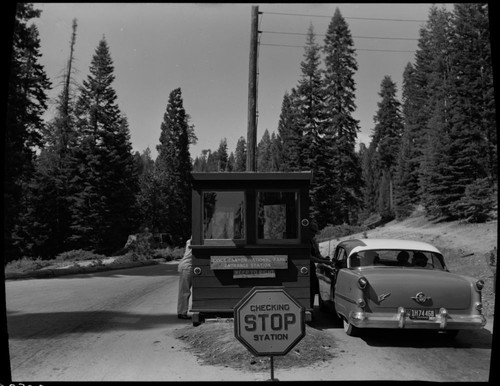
(78, 255)
(138, 247)
(26, 264)
(128, 257)
(168, 254)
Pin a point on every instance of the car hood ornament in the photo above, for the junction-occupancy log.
(382, 297)
(421, 298)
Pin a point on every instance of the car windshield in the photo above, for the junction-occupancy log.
(396, 258)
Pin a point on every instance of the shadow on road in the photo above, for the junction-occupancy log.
(427, 338)
(407, 338)
(324, 320)
(49, 325)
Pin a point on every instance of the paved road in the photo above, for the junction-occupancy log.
(118, 326)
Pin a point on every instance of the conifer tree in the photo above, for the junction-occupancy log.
(371, 175)
(222, 156)
(230, 162)
(264, 155)
(310, 128)
(386, 140)
(173, 168)
(289, 133)
(472, 113)
(407, 169)
(103, 210)
(275, 152)
(48, 212)
(310, 103)
(240, 155)
(143, 162)
(26, 103)
(341, 130)
(200, 162)
(433, 65)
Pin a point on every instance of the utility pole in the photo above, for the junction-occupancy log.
(252, 94)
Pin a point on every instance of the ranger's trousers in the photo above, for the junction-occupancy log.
(185, 283)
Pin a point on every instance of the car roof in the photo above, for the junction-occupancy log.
(358, 245)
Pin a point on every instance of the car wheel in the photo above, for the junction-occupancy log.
(349, 329)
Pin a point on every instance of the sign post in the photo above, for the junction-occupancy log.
(268, 321)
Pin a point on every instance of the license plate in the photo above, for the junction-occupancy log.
(421, 314)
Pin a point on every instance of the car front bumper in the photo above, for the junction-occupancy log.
(442, 321)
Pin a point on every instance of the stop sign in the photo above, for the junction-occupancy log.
(269, 321)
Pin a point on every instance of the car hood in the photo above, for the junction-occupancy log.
(395, 287)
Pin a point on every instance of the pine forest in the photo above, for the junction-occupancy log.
(74, 182)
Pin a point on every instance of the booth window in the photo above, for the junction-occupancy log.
(224, 215)
(277, 215)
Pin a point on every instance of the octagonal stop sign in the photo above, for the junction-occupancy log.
(269, 321)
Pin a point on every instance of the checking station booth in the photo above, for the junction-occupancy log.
(248, 229)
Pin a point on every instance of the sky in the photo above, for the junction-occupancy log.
(204, 49)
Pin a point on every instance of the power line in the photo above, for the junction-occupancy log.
(356, 37)
(353, 18)
(357, 49)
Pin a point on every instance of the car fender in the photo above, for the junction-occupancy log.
(346, 291)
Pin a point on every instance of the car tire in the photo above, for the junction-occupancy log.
(349, 329)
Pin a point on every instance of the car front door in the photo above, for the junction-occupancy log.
(339, 286)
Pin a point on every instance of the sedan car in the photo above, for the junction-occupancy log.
(402, 284)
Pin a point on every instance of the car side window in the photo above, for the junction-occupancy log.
(341, 257)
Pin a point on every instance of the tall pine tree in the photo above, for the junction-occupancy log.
(406, 177)
(240, 155)
(344, 172)
(289, 133)
(472, 114)
(173, 168)
(222, 156)
(433, 68)
(264, 155)
(310, 121)
(105, 180)
(26, 103)
(387, 139)
(310, 103)
(48, 217)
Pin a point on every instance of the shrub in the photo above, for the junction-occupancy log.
(138, 247)
(26, 264)
(78, 255)
(168, 254)
(124, 259)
